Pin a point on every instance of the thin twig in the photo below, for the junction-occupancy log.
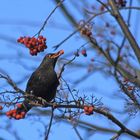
(11, 83)
(50, 124)
(79, 28)
(77, 132)
(45, 22)
(116, 14)
(63, 67)
(89, 20)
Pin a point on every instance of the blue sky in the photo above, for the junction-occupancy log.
(24, 18)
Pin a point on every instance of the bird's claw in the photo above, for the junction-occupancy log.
(43, 102)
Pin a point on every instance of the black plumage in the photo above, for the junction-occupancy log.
(43, 81)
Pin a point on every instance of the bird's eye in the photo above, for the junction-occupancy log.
(49, 55)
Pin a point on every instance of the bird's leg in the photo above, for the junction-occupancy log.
(42, 101)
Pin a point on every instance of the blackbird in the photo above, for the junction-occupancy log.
(43, 81)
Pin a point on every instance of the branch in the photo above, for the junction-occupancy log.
(97, 110)
(11, 83)
(116, 14)
(117, 135)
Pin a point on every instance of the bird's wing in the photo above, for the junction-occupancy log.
(31, 82)
(43, 84)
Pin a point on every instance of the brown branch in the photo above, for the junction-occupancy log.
(11, 83)
(97, 110)
(116, 14)
(87, 125)
(117, 122)
(117, 135)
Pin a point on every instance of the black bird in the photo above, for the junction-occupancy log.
(43, 81)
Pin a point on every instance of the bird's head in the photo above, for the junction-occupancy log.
(51, 58)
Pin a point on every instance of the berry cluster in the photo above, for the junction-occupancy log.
(16, 113)
(88, 110)
(85, 28)
(35, 45)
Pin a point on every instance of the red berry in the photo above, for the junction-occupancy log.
(14, 115)
(44, 39)
(86, 108)
(31, 52)
(14, 111)
(35, 51)
(84, 53)
(40, 37)
(28, 45)
(19, 105)
(1, 107)
(40, 41)
(23, 113)
(18, 117)
(130, 88)
(33, 43)
(102, 8)
(113, 32)
(90, 109)
(7, 114)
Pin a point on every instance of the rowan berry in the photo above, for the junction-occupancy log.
(102, 8)
(130, 88)
(23, 113)
(86, 108)
(18, 116)
(84, 52)
(35, 45)
(14, 111)
(14, 115)
(90, 109)
(19, 105)
(8, 113)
